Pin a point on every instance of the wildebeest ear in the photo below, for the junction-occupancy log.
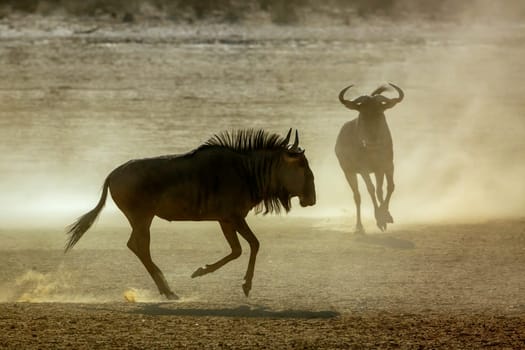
(295, 145)
(287, 138)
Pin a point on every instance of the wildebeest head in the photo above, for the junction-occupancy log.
(373, 105)
(295, 174)
(276, 170)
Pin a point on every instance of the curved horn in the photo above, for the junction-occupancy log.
(399, 91)
(295, 145)
(349, 104)
(391, 102)
(379, 90)
(287, 138)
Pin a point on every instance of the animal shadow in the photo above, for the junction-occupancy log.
(160, 309)
(385, 241)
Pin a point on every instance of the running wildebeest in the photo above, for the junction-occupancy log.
(221, 180)
(364, 146)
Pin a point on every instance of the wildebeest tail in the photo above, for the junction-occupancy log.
(77, 229)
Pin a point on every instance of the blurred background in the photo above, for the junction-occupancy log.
(87, 85)
(276, 11)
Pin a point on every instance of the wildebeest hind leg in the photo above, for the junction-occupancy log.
(245, 231)
(139, 243)
(231, 236)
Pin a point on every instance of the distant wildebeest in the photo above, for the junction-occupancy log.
(364, 146)
(221, 180)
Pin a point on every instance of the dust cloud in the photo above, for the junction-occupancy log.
(62, 286)
(471, 167)
(75, 110)
(458, 135)
(36, 287)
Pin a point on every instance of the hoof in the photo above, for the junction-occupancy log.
(171, 296)
(389, 218)
(199, 272)
(359, 230)
(382, 226)
(246, 287)
(383, 218)
(383, 215)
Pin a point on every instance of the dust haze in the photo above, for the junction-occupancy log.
(68, 120)
(75, 106)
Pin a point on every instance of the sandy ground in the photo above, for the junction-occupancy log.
(80, 326)
(79, 98)
(316, 286)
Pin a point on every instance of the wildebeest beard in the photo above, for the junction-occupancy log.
(263, 156)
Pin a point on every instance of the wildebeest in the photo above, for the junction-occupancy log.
(364, 146)
(221, 180)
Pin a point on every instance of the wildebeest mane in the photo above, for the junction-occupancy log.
(246, 140)
(270, 197)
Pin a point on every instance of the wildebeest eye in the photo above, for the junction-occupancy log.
(296, 158)
(294, 154)
(301, 162)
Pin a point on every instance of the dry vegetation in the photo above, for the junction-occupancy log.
(279, 11)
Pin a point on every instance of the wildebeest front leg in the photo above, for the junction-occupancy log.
(231, 236)
(389, 190)
(384, 215)
(139, 243)
(352, 181)
(371, 190)
(380, 176)
(245, 231)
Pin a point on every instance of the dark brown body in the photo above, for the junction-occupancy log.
(364, 146)
(222, 180)
(184, 187)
